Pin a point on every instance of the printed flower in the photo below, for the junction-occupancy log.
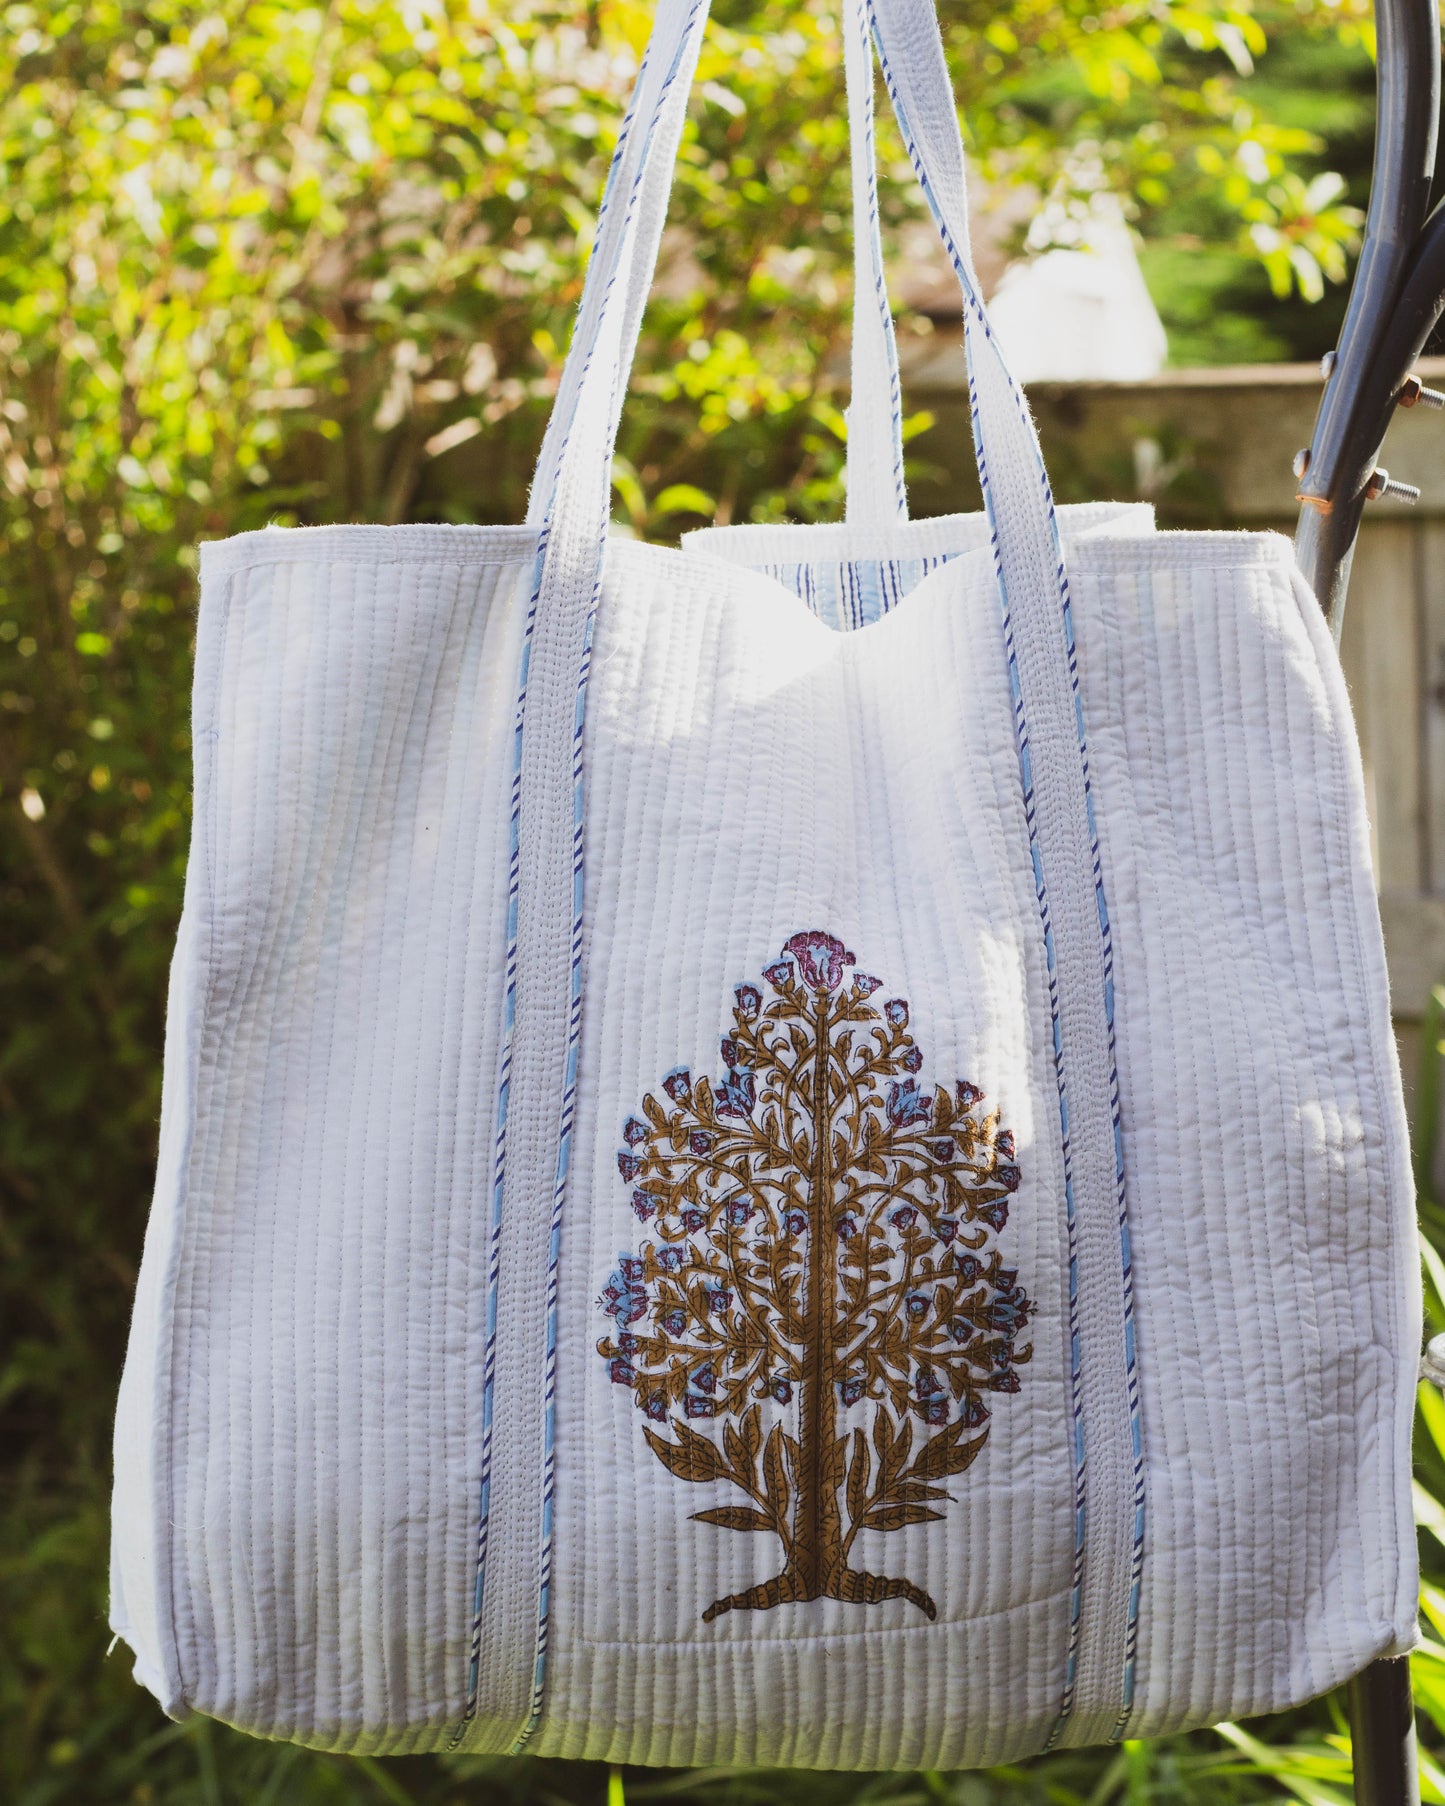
(794, 1222)
(961, 1330)
(1005, 1381)
(865, 984)
(628, 1344)
(896, 1010)
(1008, 1177)
(995, 1215)
(635, 1130)
(678, 1085)
(694, 1217)
(750, 1000)
(655, 1405)
(670, 1259)
(967, 1095)
(1004, 1142)
(975, 1411)
(620, 1372)
(969, 1268)
(697, 1406)
(674, 1323)
(906, 1104)
(623, 1298)
(738, 1212)
(904, 1217)
(781, 1390)
(737, 1094)
(699, 1143)
(719, 1299)
(942, 1151)
(779, 973)
(926, 1383)
(847, 1229)
(643, 1205)
(916, 1304)
(821, 959)
(704, 1378)
(632, 1268)
(629, 1165)
(934, 1410)
(945, 1228)
(912, 1060)
(851, 1389)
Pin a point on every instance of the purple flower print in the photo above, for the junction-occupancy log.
(750, 1000)
(634, 1130)
(967, 1095)
(678, 1085)
(821, 959)
(779, 973)
(629, 1165)
(912, 1060)
(865, 984)
(904, 1217)
(896, 1010)
(737, 1094)
(906, 1104)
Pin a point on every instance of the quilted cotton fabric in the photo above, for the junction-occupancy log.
(299, 1443)
(786, 1151)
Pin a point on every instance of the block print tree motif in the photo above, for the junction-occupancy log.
(822, 1319)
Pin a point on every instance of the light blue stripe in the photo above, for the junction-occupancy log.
(974, 315)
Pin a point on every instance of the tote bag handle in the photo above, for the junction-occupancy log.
(876, 494)
(570, 507)
(576, 454)
(873, 475)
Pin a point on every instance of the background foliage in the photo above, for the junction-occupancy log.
(260, 262)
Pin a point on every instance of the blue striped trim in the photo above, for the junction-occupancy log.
(509, 1011)
(980, 319)
(559, 1190)
(854, 594)
(880, 280)
(574, 1022)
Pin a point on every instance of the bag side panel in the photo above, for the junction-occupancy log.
(140, 1560)
(1265, 1142)
(330, 1293)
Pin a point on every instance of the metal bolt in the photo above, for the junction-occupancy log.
(1301, 462)
(1381, 483)
(1413, 391)
(1327, 364)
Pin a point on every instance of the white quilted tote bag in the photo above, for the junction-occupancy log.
(782, 1152)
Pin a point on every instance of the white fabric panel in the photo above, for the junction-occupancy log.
(298, 1447)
